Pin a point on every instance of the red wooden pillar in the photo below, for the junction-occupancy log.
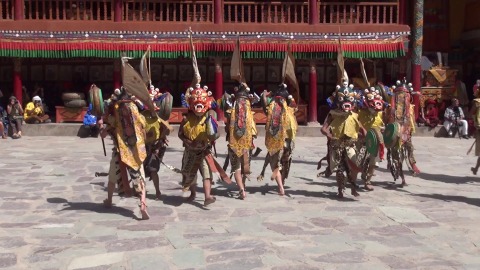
(17, 79)
(313, 11)
(117, 74)
(312, 96)
(218, 9)
(218, 85)
(118, 11)
(402, 11)
(18, 7)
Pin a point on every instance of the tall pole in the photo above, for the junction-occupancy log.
(218, 11)
(17, 79)
(19, 11)
(218, 85)
(118, 10)
(402, 11)
(312, 96)
(417, 53)
(312, 4)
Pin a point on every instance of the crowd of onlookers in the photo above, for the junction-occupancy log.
(13, 116)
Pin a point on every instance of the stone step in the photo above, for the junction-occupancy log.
(75, 129)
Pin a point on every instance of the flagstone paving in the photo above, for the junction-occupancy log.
(52, 218)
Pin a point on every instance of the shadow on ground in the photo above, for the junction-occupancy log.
(449, 179)
(93, 207)
(450, 198)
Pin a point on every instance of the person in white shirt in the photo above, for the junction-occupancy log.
(454, 115)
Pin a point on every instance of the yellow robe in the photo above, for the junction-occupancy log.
(195, 128)
(369, 120)
(132, 156)
(345, 125)
(288, 128)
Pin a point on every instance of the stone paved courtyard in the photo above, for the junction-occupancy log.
(52, 218)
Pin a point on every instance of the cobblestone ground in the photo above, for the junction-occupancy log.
(52, 218)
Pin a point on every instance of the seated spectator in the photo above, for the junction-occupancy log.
(454, 115)
(3, 120)
(15, 117)
(90, 122)
(34, 113)
(3, 130)
(431, 114)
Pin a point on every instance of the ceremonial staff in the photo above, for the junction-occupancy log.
(103, 144)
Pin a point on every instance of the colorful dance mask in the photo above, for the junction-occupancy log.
(199, 99)
(372, 99)
(345, 97)
(404, 87)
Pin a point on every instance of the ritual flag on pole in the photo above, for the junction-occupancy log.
(144, 67)
(288, 74)
(236, 67)
(196, 73)
(134, 84)
(341, 61)
(364, 73)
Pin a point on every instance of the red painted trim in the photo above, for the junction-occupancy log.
(175, 47)
(312, 97)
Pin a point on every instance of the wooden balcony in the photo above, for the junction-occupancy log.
(85, 10)
(179, 15)
(359, 12)
(6, 10)
(168, 11)
(265, 12)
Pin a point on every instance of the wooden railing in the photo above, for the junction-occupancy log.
(233, 11)
(471, 12)
(360, 12)
(168, 11)
(6, 10)
(265, 12)
(87, 10)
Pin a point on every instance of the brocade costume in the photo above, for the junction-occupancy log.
(476, 120)
(401, 114)
(241, 128)
(198, 131)
(127, 127)
(157, 131)
(194, 128)
(372, 146)
(281, 129)
(342, 126)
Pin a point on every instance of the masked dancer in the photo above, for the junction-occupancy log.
(126, 126)
(281, 127)
(157, 126)
(342, 128)
(399, 130)
(475, 112)
(198, 131)
(370, 116)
